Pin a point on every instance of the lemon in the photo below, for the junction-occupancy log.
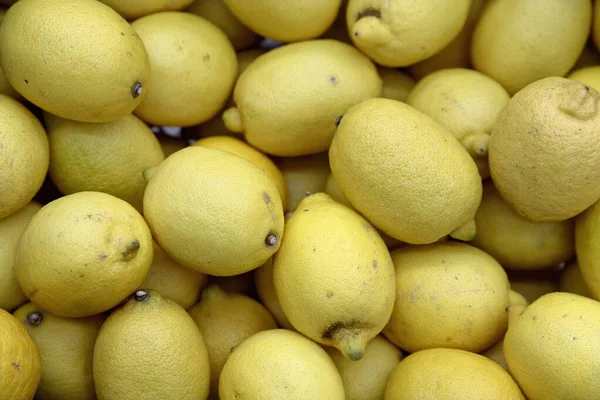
(247, 152)
(133, 9)
(534, 286)
(457, 54)
(193, 68)
(544, 156)
(66, 347)
(280, 364)
(589, 76)
(150, 348)
(306, 174)
(25, 155)
(519, 243)
(572, 281)
(286, 21)
(215, 11)
(108, 157)
(496, 352)
(511, 42)
(265, 287)
(405, 173)
(448, 295)
(240, 284)
(20, 368)
(552, 347)
(172, 281)
(5, 86)
(587, 242)
(366, 379)
(82, 254)
(450, 374)
(213, 211)
(391, 32)
(226, 320)
(333, 276)
(171, 145)
(288, 99)
(465, 102)
(11, 228)
(396, 84)
(77, 59)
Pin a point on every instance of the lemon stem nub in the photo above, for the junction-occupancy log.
(141, 295)
(137, 89)
(35, 318)
(271, 239)
(338, 119)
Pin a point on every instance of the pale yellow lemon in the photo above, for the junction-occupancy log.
(66, 347)
(306, 174)
(82, 254)
(543, 153)
(193, 68)
(11, 228)
(396, 84)
(533, 286)
(25, 155)
(5, 86)
(150, 348)
(104, 79)
(587, 243)
(572, 281)
(280, 364)
(588, 75)
(226, 320)
(511, 42)
(265, 287)
(203, 203)
(405, 172)
(133, 9)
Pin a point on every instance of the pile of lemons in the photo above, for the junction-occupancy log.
(299, 200)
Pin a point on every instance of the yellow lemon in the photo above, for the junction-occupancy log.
(572, 281)
(305, 174)
(203, 203)
(265, 287)
(519, 243)
(450, 374)
(25, 155)
(82, 254)
(280, 364)
(392, 34)
(107, 157)
(226, 320)
(544, 154)
(405, 173)
(133, 9)
(193, 68)
(77, 59)
(11, 228)
(551, 347)
(396, 84)
(587, 242)
(333, 276)
(533, 286)
(448, 295)
(511, 42)
(150, 348)
(66, 347)
(287, 100)
(5, 86)
(588, 75)
(20, 368)
(240, 284)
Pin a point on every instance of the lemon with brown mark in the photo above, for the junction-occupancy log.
(366, 379)
(280, 364)
(465, 102)
(11, 228)
(333, 276)
(544, 153)
(133, 9)
(82, 254)
(511, 40)
(216, 11)
(572, 280)
(104, 79)
(287, 100)
(20, 368)
(66, 347)
(203, 203)
(405, 173)
(25, 155)
(150, 348)
(391, 32)
(226, 320)
(265, 287)
(551, 347)
(193, 68)
(517, 242)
